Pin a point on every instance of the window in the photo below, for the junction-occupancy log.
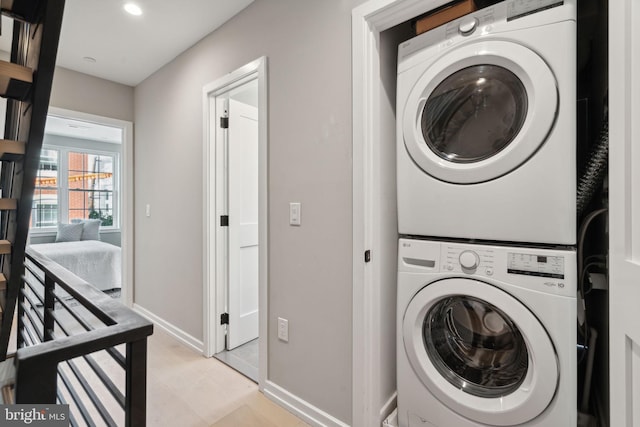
(45, 196)
(90, 179)
(74, 184)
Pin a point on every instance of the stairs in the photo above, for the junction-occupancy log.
(26, 82)
(15, 81)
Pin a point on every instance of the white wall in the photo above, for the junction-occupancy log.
(308, 45)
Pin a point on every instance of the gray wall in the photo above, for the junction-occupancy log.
(76, 91)
(308, 45)
(80, 92)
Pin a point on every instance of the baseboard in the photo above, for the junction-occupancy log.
(389, 406)
(172, 330)
(309, 413)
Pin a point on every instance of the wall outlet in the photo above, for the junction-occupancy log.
(283, 329)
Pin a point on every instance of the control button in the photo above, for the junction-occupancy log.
(469, 260)
(449, 267)
(468, 26)
(489, 271)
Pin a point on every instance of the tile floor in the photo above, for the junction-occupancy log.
(244, 359)
(185, 389)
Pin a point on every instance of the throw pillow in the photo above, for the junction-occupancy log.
(68, 232)
(91, 229)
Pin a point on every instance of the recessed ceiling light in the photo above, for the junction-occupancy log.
(133, 9)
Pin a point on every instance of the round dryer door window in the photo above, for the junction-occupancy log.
(480, 351)
(474, 113)
(479, 112)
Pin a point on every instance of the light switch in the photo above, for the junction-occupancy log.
(283, 329)
(294, 213)
(148, 210)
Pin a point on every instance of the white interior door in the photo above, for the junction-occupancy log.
(243, 223)
(624, 180)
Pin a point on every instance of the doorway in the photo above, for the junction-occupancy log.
(86, 174)
(237, 207)
(375, 230)
(235, 238)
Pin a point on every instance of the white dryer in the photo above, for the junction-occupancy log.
(486, 335)
(486, 126)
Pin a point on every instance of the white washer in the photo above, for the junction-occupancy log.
(486, 126)
(486, 335)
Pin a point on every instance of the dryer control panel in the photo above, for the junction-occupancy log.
(497, 19)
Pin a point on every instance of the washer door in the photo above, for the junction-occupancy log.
(479, 112)
(480, 351)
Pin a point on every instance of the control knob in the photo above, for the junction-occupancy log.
(467, 26)
(469, 260)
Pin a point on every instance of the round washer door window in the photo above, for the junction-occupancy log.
(475, 346)
(479, 112)
(480, 351)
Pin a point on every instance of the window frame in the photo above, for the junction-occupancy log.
(63, 185)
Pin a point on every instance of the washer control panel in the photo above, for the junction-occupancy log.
(463, 260)
(535, 265)
(519, 8)
(552, 271)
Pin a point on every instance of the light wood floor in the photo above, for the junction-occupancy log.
(186, 389)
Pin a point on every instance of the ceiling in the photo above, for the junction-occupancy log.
(126, 48)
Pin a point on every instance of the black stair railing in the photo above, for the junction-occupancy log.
(79, 346)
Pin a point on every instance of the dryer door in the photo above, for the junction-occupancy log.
(479, 112)
(480, 351)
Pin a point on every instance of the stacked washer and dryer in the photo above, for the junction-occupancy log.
(486, 173)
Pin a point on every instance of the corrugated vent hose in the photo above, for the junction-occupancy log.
(592, 177)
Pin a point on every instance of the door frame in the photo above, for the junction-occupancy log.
(624, 204)
(369, 19)
(212, 296)
(126, 190)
